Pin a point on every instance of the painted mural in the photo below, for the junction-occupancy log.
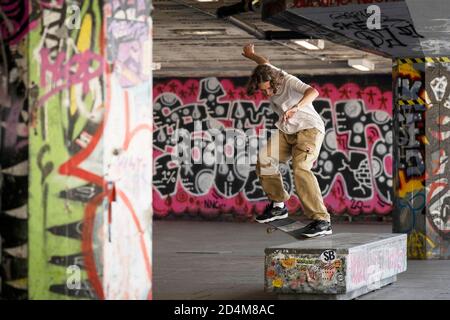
(15, 22)
(90, 223)
(354, 169)
(422, 113)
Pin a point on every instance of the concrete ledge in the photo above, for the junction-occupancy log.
(344, 296)
(341, 266)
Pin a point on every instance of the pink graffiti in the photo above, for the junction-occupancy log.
(183, 203)
(78, 69)
(374, 99)
(389, 259)
(358, 264)
(213, 204)
(17, 20)
(210, 204)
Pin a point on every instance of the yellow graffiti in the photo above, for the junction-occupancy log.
(427, 100)
(18, 283)
(83, 43)
(408, 69)
(410, 186)
(288, 263)
(420, 246)
(337, 264)
(424, 140)
(277, 283)
(85, 35)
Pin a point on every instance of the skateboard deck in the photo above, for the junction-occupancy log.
(290, 226)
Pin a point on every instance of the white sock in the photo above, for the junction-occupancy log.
(278, 204)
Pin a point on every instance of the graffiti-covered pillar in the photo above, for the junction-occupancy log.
(14, 117)
(422, 148)
(90, 150)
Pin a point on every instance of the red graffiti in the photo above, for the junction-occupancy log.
(73, 167)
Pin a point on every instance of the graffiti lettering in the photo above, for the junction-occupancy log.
(63, 75)
(422, 208)
(354, 166)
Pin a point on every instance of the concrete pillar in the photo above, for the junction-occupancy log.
(14, 115)
(421, 151)
(90, 180)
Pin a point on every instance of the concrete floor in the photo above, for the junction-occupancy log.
(225, 260)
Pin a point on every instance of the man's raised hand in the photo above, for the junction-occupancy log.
(249, 50)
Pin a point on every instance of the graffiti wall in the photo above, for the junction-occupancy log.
(15, 22)
(422, 113)
(90, 221)
(354, 168)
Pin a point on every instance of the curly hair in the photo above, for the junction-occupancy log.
(263, 73)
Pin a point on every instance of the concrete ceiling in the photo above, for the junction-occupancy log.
(219, 55)
(408, 28)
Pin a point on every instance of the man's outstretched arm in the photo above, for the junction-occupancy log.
(249, 53)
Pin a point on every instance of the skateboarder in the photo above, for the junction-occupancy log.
(299, 137)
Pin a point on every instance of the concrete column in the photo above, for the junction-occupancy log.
(14, 116)
(421, 151)
(90, 150)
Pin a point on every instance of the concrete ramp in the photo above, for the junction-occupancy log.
(341, 266)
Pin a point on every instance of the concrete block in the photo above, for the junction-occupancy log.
(341, 266)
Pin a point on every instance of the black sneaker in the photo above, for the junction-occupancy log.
(272, 213)
(317, 228)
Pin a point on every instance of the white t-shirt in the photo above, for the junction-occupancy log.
(291, 92)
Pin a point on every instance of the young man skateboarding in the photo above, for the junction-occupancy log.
(299, 137)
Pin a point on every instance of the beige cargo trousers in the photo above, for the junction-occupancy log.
(303, 148)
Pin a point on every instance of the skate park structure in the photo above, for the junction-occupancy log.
(76, 149)
(411, 33)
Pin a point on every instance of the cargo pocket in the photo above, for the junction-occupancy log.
(307, 150)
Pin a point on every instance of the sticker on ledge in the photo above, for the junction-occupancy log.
(328, 256)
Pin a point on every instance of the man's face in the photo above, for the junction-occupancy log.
(266, 88)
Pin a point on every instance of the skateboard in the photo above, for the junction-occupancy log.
(290, 226)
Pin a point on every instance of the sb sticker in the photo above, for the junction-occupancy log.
(328, 256)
